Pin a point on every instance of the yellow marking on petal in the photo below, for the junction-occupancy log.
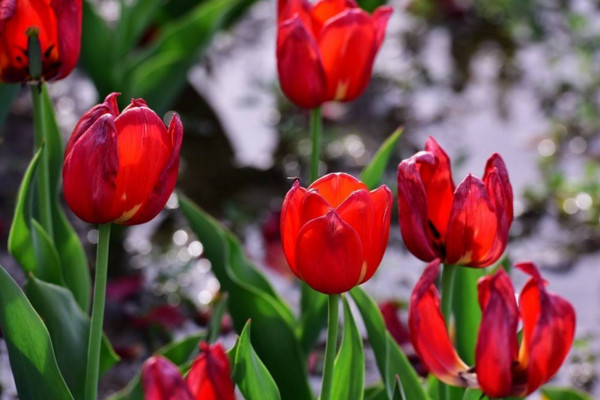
(341, 90)
(363, 272)
(127, 215)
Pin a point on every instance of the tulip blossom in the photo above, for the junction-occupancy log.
(58, 27)
(209, 377)
(121, 167)
(335, 232)
(466, 225)
(503, 367)
(326, 50)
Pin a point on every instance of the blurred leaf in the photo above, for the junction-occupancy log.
(467, 313)
(249, 372)
(371, 5)
(376, 392)
(473, 394)
(349, 367)
(313, 316)
(252, 297)
(216, 319)
(135, 19)
(373, 172)
(96, 50)
(7, 95)
(389, 357)
(30, 351)
(69, 330)
(555, 393)
(398, 394)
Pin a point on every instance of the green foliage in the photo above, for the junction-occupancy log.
(555, 393)
(7, 95)
(373, 172)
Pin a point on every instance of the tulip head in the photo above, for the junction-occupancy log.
(326, 51)
(466, 225)
(162, 380)
(121, 167)
(58, 27)
(503, 367)
(335, 232)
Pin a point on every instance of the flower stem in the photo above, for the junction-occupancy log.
(330, 347)
(95, 338)
(448, 277)
(316, 127)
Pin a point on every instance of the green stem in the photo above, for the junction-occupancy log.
(448, 277)
(330, 347)
(95, 338)
(43, 175)
(316, 128)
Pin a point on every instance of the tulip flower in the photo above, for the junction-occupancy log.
(466, 225)
(58, 27)
(503, 367)
(335, 232)
(326, 50)
(121, 167)
(209, 377)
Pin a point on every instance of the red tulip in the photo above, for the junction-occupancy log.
(502, 366)
(335, 232)
(209, 377)
(326, 51)
(58, 23)
(466, 225)
(121, 168)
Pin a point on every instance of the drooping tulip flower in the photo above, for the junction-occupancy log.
(335, 232)
(58, 26)
(209, 377)
(466, 225)
(326, 50)
(121, 167)
(502, 367)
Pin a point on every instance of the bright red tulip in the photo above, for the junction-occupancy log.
(121, 168)
(58, 23)
(466, 225)
(335, 232)
(326, 50)
(162, 380)
(502, 367)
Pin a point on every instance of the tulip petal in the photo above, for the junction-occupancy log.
(428, 332)
(299, 65)
(324, 10)
(7, 10)
(501, 191)
(210, 375)
(68, 15)
(335, 188)
(497, 343)
(348, 46)
(162, 381)
(290, 222)
(548, 329)
(383, 200)
(381, 16)
(287, 9)
(329, 254)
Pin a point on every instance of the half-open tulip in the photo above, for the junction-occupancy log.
(503, 367)
(58, 26)
(326, 50)
(209, 377)
(121, 167)
(335, 232)
(466, 225)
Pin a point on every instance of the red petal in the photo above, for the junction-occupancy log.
(210, 375)
(348, 48)
(313, 206)
(290, 223)
(324, 10)
(162, 381)
(473, 226)
(399, 332)
(381, 16)
(428, 332)
(287, 9)
(299, 65)
(7, 10)
(329, 255)
(501, 191)
(548, 329)
(497, 344)
(336, 187)
(68, 14)
(383, 200)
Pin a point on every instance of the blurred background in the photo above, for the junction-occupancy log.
(517, 77)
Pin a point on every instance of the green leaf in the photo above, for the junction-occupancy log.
(252, 297)
(373, 172)
(96, 45)
(69, 330)
(376, 392)
(389, 357)
(47, 262)
(398, 393)
(349, 366)
(7, 95)
(467, 313)
(30, 351)
(371, 5)
(473, 394)
(249, 372)
(313, 316)
(556, 393)
(214, 326)
(134, 20)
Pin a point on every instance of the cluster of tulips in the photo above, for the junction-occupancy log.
(120, 167)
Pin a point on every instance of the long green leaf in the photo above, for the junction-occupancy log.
(47, 261)
(134, 21)
(555, 393)
(373, 172)
(30, 351)
(96, 50)
(473, 394)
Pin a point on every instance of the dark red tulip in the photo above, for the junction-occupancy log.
(335, 232)
(121, 167)
(162, 380)
(503, 367)
(58, 23)
(326, 50)
(466, 225)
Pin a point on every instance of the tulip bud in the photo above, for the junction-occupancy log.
(162, 381)
(210, 375)
(335, 232)
(57, 24)
(121, 167)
